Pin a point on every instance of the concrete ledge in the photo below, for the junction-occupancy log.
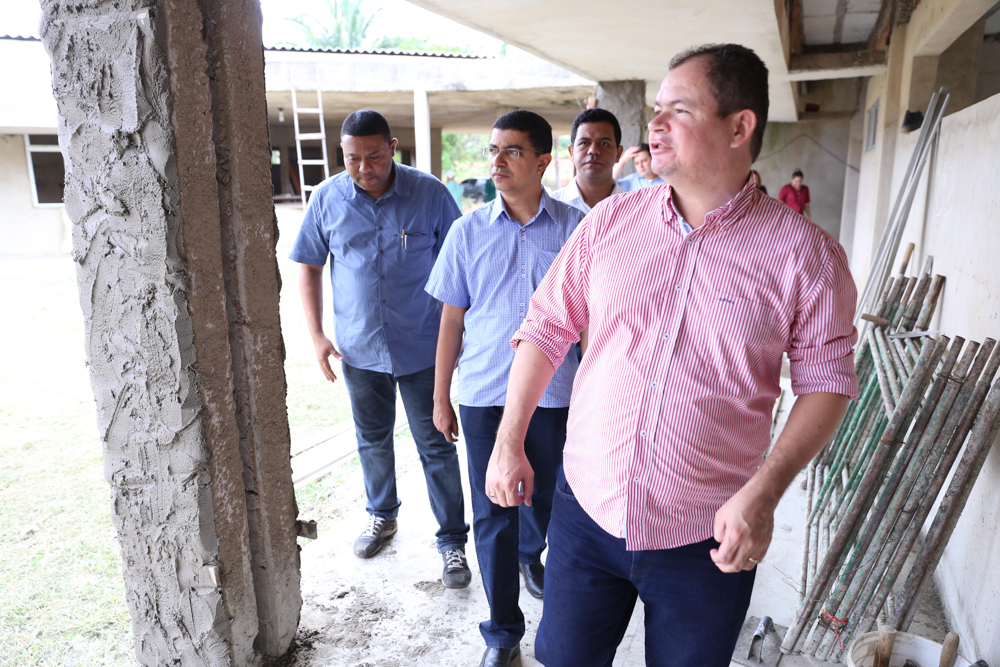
(847, 65)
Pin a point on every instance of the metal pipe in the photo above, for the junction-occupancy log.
(863, 496)
(980, 442)
(862, 569)
(888, 397)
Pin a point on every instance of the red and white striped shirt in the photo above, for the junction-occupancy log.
(671, 408)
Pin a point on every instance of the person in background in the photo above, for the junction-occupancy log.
(381, 225)
(595, 146)
(692, 291)
(796, 195)
(757, 181)
(491, 263)
(489, 190)
(454, 187)
(643, 176)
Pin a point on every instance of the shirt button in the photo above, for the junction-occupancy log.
(385, 323)
(380, 226)
(383, 277)
(666, 335)
(522, 304)
(678, 286)
(381, 252)
(652, 384)
(689, 239)
(636, 479)
(522, 266)
(642, 433)
(522, 275)
(383, 300)
(523, 238)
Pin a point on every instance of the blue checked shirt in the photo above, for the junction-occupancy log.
(636, 181)
(491, 265)
(383, 319)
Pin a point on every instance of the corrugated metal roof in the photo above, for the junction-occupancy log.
(382, 52)
(21, 38)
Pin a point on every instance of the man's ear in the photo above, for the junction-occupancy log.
(744, 124)
(621, 149)
(570, 148)
(393, 144)
(544, 161)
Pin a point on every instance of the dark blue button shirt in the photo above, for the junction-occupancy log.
(381, 253)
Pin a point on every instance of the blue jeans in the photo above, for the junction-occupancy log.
(506, 536)
(373, 402)
(693, 610)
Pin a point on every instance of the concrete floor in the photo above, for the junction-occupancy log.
(392, 611)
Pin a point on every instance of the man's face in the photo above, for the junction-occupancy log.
(644, 164)
(510, 175)
(688, 141)
(595, 151)
(369, 161)
(797, 182)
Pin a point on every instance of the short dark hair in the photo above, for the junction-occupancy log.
(537, 128)
(596, 116)
(797, 172)
(644, 148)
(739, 81)
(366, 123)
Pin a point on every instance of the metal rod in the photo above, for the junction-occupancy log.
(863, 496)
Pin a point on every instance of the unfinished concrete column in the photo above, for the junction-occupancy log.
(627, 101)
(163, 130)
(422, 130)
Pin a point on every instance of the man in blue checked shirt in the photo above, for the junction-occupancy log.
(490, 265)
(382, 225)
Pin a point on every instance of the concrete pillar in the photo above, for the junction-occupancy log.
(422, 129)
(627, 101)
(164, 129)
(855, 147)
(436, 150)
(555, 159)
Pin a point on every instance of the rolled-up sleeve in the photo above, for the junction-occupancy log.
(559, 307)
(821, 353)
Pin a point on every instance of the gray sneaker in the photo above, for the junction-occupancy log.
(456, 569)
(377, 533)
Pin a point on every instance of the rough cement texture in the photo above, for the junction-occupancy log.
(109, 80)
(627, 101)
(252, 283)
(168, 187)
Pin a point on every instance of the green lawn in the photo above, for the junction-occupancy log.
(61, 590)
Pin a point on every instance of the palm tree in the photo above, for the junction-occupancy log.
(346, 29)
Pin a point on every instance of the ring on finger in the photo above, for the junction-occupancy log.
(753, 560)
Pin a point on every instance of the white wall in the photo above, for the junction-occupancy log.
(960, 229)
(25, 229)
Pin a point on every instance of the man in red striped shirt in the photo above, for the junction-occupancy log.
(692, 292)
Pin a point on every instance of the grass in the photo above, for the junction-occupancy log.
(62, 597)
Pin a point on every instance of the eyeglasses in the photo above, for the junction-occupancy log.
(512, 153)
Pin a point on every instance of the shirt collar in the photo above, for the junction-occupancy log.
(544, 204)
(725, 215)
(401, 185)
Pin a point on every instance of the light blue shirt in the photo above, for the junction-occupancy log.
(636, 181)
(491, 265)
(381, 253)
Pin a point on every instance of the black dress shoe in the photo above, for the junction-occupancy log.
(499, 657)
(534, 579)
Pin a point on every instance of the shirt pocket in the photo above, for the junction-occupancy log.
(745, 322)
(542, 262)
(416, 242)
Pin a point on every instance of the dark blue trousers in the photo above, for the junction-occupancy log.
(506, 536)
(373, 403)
(693, 610)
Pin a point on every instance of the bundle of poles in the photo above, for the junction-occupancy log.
(924, 400)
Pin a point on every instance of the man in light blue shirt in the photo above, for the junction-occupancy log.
(490, 265)
(644, 175)
(382, 225)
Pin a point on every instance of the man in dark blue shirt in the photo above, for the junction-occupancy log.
(382, 225)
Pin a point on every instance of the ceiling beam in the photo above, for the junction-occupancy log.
(842, 65)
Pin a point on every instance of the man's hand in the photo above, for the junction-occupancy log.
(445, 420)
(324, 350)
(743, 529)
(626, 157)
(508, 472)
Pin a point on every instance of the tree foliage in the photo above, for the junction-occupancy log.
(346, 29)
(463, 154)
